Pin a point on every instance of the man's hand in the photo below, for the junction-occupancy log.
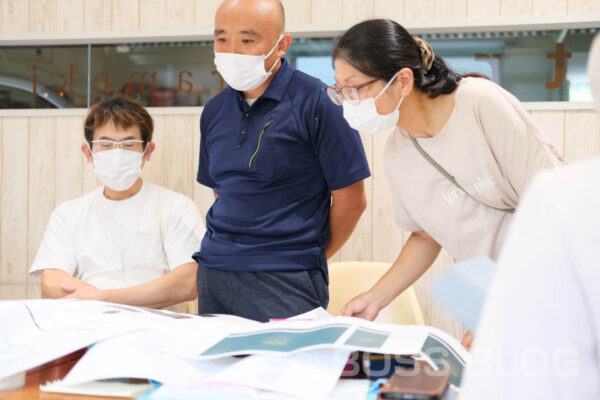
(362, 306)
(82, 291)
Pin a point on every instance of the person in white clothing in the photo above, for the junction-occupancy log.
(129, 241)
(461, 153)
(539, 334)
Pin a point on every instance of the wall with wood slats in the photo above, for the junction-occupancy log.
(19, 16)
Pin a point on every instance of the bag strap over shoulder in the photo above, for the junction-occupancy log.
(451, 178)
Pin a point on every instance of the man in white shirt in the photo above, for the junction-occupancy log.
(129, 241)
(539, 335)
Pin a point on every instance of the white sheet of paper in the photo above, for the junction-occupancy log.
(141, 355)
(350, 389)
(35, 332)
(345, 389)
(308, 375)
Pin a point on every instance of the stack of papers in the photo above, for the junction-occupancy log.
(193, 354)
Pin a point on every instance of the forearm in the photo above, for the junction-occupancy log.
(175, 287)
(51, 281)
(417, 255)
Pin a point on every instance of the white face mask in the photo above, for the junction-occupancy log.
(244, 72)
(364, 116)
(118, 169)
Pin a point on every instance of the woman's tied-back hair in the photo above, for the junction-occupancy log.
(124, 112)
(382, 47)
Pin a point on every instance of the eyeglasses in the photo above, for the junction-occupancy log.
(129, 144)
(347, 93)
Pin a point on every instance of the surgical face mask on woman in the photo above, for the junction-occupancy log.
(118, 169)
(244, 72)
(364, 116)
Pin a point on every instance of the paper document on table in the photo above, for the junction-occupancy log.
(346, 333)
(35, 332)
(288, 374)
(146, 358)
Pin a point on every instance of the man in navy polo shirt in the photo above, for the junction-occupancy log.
(286, 169)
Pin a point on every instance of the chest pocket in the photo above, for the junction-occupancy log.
(278, 151)
(260, 140)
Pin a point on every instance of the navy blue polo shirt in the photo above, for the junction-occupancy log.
(274, 165)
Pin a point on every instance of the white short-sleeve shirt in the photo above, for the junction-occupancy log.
(118, 244)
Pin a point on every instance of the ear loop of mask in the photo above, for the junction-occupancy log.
(386, 87)
(271, 52)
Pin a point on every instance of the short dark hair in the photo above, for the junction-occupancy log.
(124, 112)
(382, 47)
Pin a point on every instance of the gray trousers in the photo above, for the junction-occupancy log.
(261, 295)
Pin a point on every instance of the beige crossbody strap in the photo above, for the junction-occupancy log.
(450, 177)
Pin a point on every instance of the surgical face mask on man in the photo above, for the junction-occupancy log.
(244, 72)
(364, 116)
(118, 169)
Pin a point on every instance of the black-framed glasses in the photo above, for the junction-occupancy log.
(347, 93)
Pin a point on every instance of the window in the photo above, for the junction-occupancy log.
(547, 65)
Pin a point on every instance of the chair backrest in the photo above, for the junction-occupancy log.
(348, 279)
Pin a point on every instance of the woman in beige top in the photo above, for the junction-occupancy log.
(458, 160)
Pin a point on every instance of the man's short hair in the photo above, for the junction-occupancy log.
(124, 112)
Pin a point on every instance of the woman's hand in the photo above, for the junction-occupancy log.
(467, 340)
(362, 306)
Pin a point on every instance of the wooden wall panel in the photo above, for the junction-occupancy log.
(13, 212)
(68, 163)
(42, 178)
(178, 164)
(297, 12)
(356, 11)
(583, 6)
(389, 9)
(15, 16)
(205, 13)
(181, 13)
(427, 10)
(419, 10)
(153, 14)
(516, 8)
(552, 125)
(483, 8)
(125, 15)
(98, 15)
(360, 246)
(447, 10)
(582, 135)
(70, 15)
(326, 12)
(154, 169)
(387, 238)
(42, 16)
(549, 7)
